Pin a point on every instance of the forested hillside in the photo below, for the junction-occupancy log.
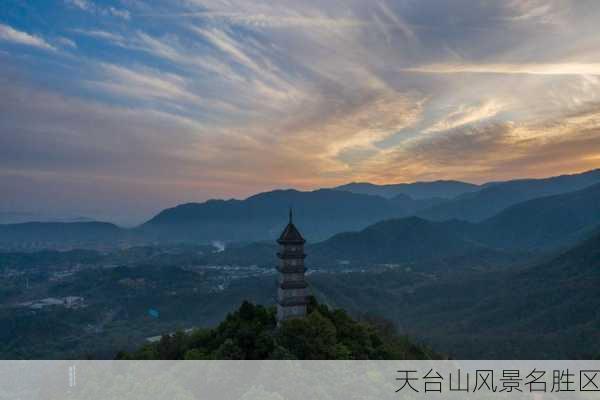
(251, 333)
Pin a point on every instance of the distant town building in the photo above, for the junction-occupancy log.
(73, 302)
(292, 292)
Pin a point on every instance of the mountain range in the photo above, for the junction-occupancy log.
(547, 223)
(322, 212)
(325, 212)
(497, 212)
(496, 196)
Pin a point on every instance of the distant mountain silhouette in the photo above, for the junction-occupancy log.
(494, 197)
(416, 190)
(9, 217)
(323, 213)
(60, 233)
(543, 224)
(511, 217)
(326, 212)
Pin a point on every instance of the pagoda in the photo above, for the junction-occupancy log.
(292, 292)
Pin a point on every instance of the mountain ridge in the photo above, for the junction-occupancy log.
(416, 190)
(495, 197)
(323, 212)
(540, 225)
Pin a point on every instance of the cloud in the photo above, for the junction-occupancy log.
(226, 44)
(540, 11)
(10, 34)
(145, 84)
(268, 21)
(91, 7)
(355, 128)
(467, 114)
(85, 5)
(519, 69)
(120, 13)
(111, 37)
(66, 42)
(569, 142)
(267, 78)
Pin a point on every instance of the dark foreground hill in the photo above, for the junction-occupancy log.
(544, 311)
(553, 303)
(405, 240)
(544, 222)
(250, 333)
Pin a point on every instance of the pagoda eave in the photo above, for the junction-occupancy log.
(292, 270)
(291, 302)
(289, 256)
(294, 285)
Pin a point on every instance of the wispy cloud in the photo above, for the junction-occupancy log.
(226, 44)
(267, 21)
(502, 148)
(10, 34)
(467, 114)
(121, 13)
(85, 5)
(571, 68)
(111, 37)
(66, 42)
(540, 11)
(91, 7)
(144, 84)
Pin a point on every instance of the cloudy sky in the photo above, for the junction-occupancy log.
(117, 108)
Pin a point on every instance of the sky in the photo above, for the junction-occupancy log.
(117, 109)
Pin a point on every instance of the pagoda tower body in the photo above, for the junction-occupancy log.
(292, 292)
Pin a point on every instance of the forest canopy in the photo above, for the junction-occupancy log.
(251, 332)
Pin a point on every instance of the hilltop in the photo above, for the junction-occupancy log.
(250, 333)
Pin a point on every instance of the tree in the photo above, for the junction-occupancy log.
(229, 350)
(252, 333)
